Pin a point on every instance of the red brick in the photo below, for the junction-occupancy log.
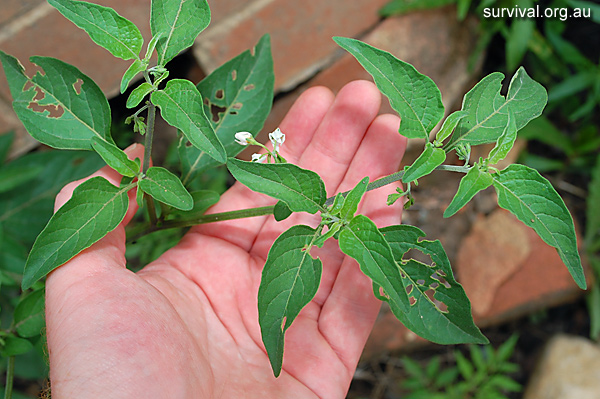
(53, 35)
(22, 142)
(14, 8)
(300, 34)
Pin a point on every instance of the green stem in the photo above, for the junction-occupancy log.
(149, 136)
(136, 233)
(10, 375)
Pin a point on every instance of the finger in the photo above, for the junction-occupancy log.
(331, 149)
(299, 125)
(351, 307)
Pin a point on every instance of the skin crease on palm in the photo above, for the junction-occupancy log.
(186, 326)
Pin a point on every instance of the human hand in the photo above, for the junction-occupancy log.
(186, 326)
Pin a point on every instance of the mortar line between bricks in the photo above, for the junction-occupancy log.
(233, 19)
(25, 20)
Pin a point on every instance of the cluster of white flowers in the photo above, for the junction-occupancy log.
(277, 139)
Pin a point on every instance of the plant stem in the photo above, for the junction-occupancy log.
(149, 136)
(134, 234)
(10, 375)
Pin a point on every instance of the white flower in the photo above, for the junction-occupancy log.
(242, 137)
(258, 157)
(277, 138)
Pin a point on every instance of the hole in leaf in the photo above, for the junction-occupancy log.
(77, 86)
(220, 94)
(37, 105)
(437, 276)
(382, 293)
(233, 113)
(206, 102)
(188, 143)
(418, 256)
(216, 112)
(438, 304)
(421, 282)
(253, 51)
(237, 106)
(249, 87)
(412, 300)
(234, 75)
(409, 288)
(434, 285)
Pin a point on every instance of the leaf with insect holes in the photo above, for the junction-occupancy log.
(115, 157)
(237, 97)
(472, 183)
(302, 190)
(179, 22)
(532, 199)
(440, 310)
(165, 187)
(290, 280)
(488, 110)
(413, 95)
(180, 105)
(362, 241)
(73, 108)
(430, 158)
(96, 208)
(104, 25)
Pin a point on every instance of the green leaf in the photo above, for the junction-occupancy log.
(96, 208)
(136, 67)
(105, 27)
(362, 241)
(6, 141)
(302, 190)
(464, 365)
(533, 200)
(238, 97)
(429, 159)
(488, 110)
(138, 94)
(11, 177)
(517, 41)
(14, 346)
(179, 22)
(290, 280)
(181, 106)
(505, 142)
(29, 315)
(398, 7)
(592, 231)
(25, 210)
(472, 183)
(589, 8)
(440, 310)
(73, 108)
(505, 351)
(413, 95)
(281, 211)
(165, 187)
(543, 130)
(353, 198)
(115, 157)
(448, 127)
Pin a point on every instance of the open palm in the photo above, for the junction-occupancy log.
(186, 326)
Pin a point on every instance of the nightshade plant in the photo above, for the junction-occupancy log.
(65, 109)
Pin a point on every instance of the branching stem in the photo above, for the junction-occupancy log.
(136, 233)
